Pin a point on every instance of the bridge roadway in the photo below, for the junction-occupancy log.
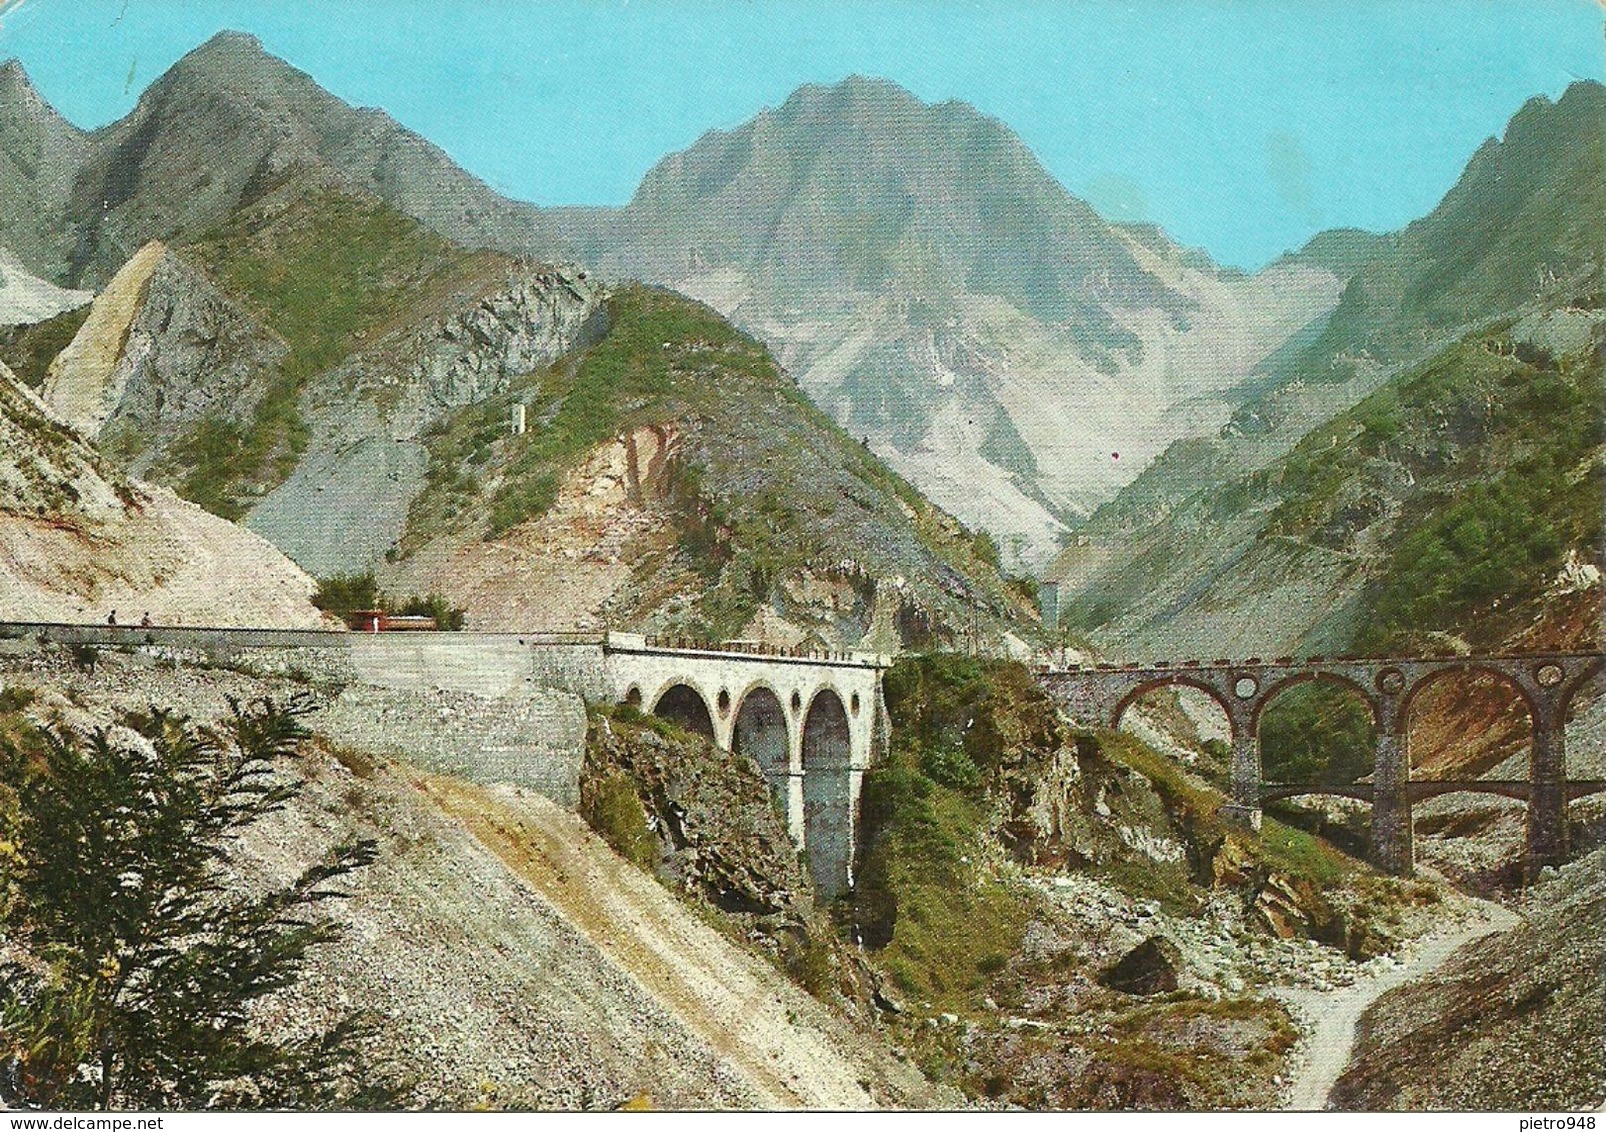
(813, 721)
(1099, 695)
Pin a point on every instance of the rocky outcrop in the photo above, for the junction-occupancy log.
(346, 504)
(529, 323)
(84, 385)
(1149, 968)
(163, 349)
(716, 833)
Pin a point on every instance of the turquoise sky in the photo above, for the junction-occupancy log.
(1241, 127)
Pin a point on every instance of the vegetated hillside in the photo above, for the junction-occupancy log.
(1456, 508)
(1058, 919)
(1512, 1021)
(1523, 220)
(280, 369)
(78, 540)
(938, 292)
(1460, 502)
(674, 480)
(226, 123)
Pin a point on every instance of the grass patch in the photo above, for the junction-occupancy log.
(615, 812)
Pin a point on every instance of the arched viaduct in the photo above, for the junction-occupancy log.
(813, 724)
(1547, 683)
(812, 721)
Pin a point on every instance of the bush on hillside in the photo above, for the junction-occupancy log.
(143, 958)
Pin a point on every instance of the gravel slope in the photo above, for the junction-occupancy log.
(1512, 1021)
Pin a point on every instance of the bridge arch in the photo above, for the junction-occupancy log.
(762, 732)
(1315, 676)
(684, 704)
(827, 758)
(1179, 680)
(1462, 671)
(1316, 728)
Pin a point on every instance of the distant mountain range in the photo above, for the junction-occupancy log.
(939, 293)
(927, 281)
(300, 324)
(931, 287)
(1427, 470)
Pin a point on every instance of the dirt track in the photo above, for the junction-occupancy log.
(1333, 1015)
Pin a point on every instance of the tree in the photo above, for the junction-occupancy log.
(136, 955)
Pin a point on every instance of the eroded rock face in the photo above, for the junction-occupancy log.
(346, 503)
(190, 353)
(527, 324)
(84, 385)
(721, 839)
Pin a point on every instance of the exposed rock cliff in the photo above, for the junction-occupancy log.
(347, 502)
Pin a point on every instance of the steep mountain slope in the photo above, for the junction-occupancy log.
(512, 960)
(674, 481)
(939, 293)
(1459, 502)
(283, 367)
(77, 540)
(1522, 222)
(40, 155)
(224, 125)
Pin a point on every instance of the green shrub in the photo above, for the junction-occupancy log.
(341, 594)
(136, 970)
(615, 811)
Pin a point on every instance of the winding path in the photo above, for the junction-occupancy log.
(1334, 1015)
(791, 1051)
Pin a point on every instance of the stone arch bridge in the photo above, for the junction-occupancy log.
(813, 722)
(1546, 682)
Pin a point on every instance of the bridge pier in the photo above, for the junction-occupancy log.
(1393, 841)
(1547, 803)
(1244, 778)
